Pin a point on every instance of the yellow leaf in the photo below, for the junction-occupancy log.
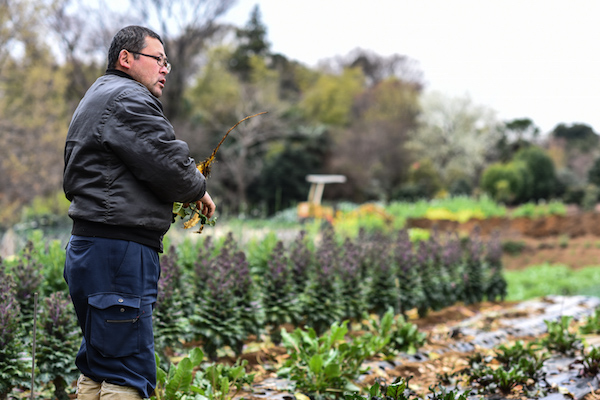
(300, 396)
(192, 221)
(563, 390)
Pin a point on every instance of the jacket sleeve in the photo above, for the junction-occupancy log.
(139, 134)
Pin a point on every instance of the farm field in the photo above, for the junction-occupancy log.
(457, 332)
(539, 254)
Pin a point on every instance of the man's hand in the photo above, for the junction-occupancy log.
(206, 205)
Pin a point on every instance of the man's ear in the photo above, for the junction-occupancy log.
(124, 60)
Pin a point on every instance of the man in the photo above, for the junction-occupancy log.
(123, 171)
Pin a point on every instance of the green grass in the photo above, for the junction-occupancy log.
(485, 205)
(552, 279)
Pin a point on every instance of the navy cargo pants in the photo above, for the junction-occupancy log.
(113, 286)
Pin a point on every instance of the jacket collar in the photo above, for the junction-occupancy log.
(112, 71)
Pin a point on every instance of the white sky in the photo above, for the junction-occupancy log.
(537, 59)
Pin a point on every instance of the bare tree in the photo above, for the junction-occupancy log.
(376, 67)
(184, 25)
(456, 135)
(240, 162)
(18, 21)
(83, 32)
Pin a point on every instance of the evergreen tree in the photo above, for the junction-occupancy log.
(253, 42)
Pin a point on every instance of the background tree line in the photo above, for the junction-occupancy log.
(362, 115)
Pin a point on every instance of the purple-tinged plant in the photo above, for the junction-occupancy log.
(278, 268)
(451, 253)
(279, 300)
(422, 257)
(221, 274)
(28, 281)
(170, 280)
(473, 281)
(434, 247)
(374, 253)
(226, 312)
(403, 253)
(202, 261)
(452, 263)
(431, 281)
(475, 247)
(301, 260)
(58, 343)
(12, 366)
(10, 310)
(383, 288)
(352, 285)
(321, 300)
(410, 287)
(349, 263)
(169, 316)
(496, 286)
(493, 254)
(249, 311)
(327, 256)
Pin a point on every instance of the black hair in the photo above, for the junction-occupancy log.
(131, 38)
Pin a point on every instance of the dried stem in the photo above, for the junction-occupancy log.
(204, 166)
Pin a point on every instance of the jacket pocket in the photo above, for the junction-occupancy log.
(113, 324)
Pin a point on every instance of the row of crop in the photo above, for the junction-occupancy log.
(219, 295)
(464, 207)
(349, 218)
(214, 293)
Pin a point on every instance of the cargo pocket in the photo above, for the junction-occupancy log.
(113, 324)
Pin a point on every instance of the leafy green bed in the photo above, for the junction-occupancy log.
(547, 279)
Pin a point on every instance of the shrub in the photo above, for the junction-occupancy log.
(507, 183)
(544, 182)
(513, 247)
(591, 195)
(423, 182)
(594, 173)
(461, 186)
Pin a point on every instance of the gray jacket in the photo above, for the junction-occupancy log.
(124, 167)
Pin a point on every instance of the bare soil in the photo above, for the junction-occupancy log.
(578, 252)
(573, 240)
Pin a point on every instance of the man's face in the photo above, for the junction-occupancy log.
(146, 69)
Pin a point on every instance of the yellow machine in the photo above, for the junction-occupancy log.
(313, 208)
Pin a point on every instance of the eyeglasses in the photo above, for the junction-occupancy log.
(160, 60)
